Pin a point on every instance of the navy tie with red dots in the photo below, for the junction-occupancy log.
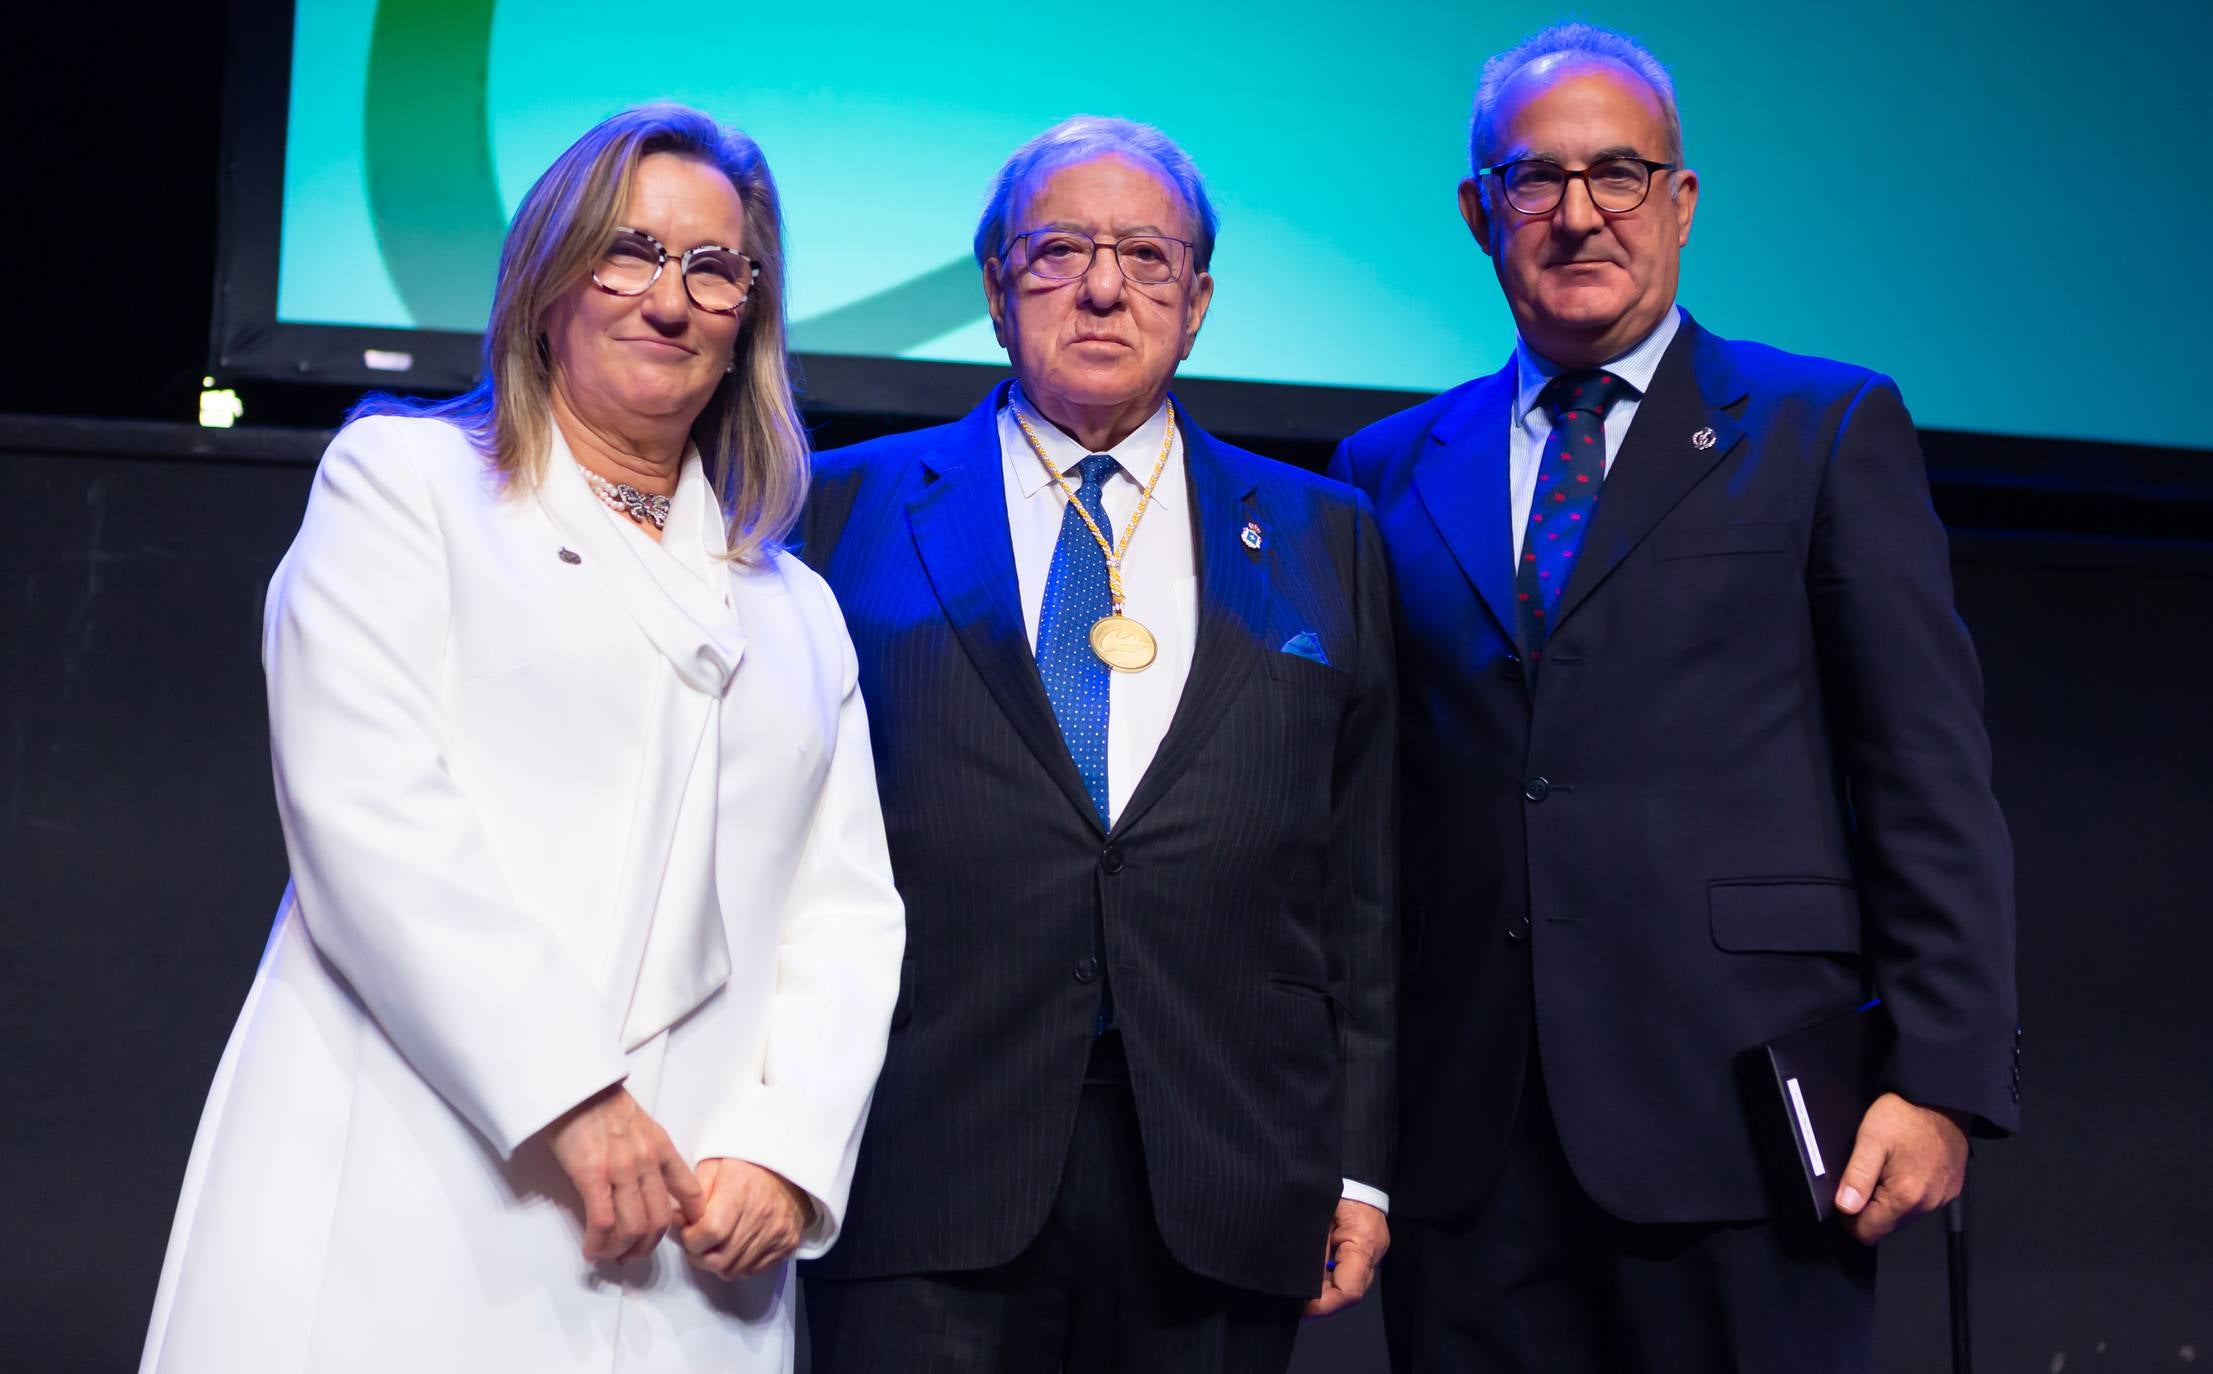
(1569, 475)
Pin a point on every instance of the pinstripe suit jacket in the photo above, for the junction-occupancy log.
(1244, 896)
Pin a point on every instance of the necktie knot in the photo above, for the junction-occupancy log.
(1095, 468)
(1593, 393)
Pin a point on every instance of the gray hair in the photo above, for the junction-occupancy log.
(1080, 139)
(1572, 41)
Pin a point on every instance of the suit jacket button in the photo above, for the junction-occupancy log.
(1518, 931)
(1509, 668)
(1087, 968)
(1110, 859)
(1537, 788)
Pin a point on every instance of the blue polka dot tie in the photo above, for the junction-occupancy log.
(1076, 595)
(1569, 475)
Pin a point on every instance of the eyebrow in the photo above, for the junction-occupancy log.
(1618, 150)
(1121, 230)
(658, 237)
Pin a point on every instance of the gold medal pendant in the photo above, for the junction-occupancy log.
(1123, 644)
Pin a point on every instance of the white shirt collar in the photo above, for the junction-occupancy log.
(1636, 367)
(1136, 454)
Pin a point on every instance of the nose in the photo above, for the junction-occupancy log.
(1577, 213)
(665, 306)
(1103, 282)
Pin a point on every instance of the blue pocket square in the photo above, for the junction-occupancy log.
(1305, 645)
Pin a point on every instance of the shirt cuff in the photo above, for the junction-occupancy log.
(1374, 1197)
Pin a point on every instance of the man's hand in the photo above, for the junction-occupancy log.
(1358, 1236)
(1907, 1160)
(632, 1182)
(753, 1219)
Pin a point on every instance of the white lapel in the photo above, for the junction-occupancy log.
(671, 952)
(687, 617)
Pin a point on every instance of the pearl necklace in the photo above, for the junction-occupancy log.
(624, 499)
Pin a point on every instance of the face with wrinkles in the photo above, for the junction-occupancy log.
(1585, 285)
(1097, 351)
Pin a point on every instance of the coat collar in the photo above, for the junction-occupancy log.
(958, 518)
(1684, 425)
(1461, 476)
(1233, 599)
(677, 594)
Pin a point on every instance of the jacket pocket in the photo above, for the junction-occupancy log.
(1785, 915)
(1707, 541)
(1332, 682)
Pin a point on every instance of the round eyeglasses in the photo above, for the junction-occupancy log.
(1617, 185)
(1065, 255)
(717, 279)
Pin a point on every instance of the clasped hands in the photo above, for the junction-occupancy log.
(734, 1219)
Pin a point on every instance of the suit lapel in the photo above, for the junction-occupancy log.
(959, 522)
(1462, 480)
(1681, 430)
(1233, 599)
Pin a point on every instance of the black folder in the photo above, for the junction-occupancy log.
(1807, 1092)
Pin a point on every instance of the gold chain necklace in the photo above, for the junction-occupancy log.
(1120, 642)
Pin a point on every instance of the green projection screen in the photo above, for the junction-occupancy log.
(1989, 202)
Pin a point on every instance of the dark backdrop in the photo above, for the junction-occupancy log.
(140, 860)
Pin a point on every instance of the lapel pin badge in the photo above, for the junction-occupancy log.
(1703, 439)
(1251, 535)
(571, 556)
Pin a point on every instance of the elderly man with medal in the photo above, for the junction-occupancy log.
(1132, 706)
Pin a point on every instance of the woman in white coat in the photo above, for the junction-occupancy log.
(561, 1047)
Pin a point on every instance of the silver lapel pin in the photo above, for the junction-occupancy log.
(571, 556)
(1703, 439)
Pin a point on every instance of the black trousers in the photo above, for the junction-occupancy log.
(1096, 1293)
(1540, 1278)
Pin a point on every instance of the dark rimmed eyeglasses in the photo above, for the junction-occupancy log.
(717, 279)
(1065, 255)
(1617, 185)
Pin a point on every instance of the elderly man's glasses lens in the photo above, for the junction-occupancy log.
(1064, 255)
(1617, 184)
(717, 279)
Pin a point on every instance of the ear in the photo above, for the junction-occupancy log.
(1202, 296)
(995, 300)
(1478, 218)
(1685, 200)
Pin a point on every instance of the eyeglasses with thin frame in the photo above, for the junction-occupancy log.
(1617, 185)
(716, 279)
(1065, 255)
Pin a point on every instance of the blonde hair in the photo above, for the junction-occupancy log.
(749, 435)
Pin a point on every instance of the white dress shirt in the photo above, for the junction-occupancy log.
(1159, 574)
(1530, 426)
(1160, 584)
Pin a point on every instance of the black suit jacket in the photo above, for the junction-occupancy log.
(1749, 787)
(1245, 896)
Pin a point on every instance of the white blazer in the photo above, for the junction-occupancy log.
(563, 807)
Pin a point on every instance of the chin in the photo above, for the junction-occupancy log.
(1591, 310)
(659, 397)
(1086, 387)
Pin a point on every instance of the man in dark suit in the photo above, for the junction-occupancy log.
(1131, 696)
(1693, 757)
